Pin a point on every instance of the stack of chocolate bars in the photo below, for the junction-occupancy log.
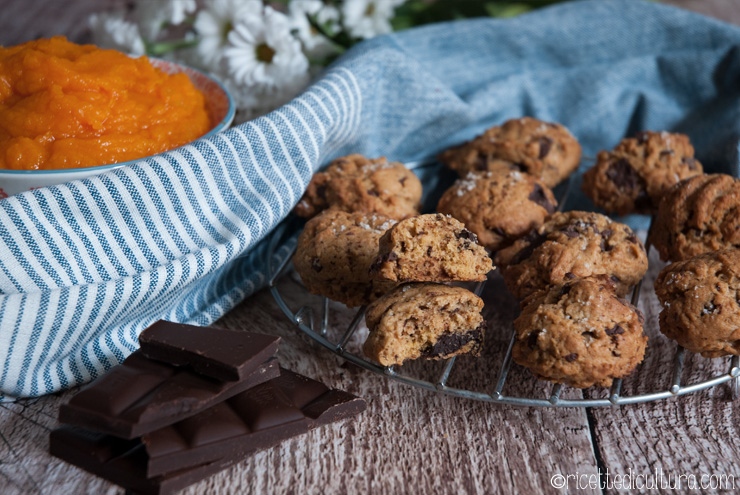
(190, 402)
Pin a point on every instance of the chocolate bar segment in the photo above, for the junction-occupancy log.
(220, 353)
(175, 456)
(141, 395)
(252, 420)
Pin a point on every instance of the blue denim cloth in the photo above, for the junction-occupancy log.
(85, 266)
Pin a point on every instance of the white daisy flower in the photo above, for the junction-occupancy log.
(213, 25)
(111, 30)
(153, 15)
(315, 44)
(367, 18)
(265, 59)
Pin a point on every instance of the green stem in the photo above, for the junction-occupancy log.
(159, 48)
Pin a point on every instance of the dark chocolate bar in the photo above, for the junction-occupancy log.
(217, 352)
(141, 395)
(252, 420)
(175, 456)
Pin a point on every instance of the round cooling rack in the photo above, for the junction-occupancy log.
(491, 377)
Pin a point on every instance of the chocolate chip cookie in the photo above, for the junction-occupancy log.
(424, 320)
(634, 176)
(430, 248)
(334, 254)
(698, 215)
(701, 303)
(579, 334)
(498, 207)
(355, 183)
(571, 245)
(545, 150)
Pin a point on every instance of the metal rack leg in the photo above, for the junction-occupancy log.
(735, 381)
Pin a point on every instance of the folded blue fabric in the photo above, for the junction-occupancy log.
(85, 266)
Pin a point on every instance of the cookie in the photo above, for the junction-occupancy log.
(430, 248)
(334, 254)
(424, 320)
(498, 207)
(571, 245)
(637, 173)
(545, 150)
(698, 215)
(701, 303)
(580, 334)
(355, 183)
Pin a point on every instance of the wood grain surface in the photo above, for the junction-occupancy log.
(410, 440)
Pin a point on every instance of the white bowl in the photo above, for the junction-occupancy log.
(219, 104)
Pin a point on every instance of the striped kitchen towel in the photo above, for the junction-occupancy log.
(86, 265)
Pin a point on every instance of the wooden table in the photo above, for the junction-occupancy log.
(411, 440)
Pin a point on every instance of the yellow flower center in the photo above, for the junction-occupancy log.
(264, 53)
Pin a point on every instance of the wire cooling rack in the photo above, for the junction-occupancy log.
(313, 319)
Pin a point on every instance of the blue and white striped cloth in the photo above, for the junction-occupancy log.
(85, 266)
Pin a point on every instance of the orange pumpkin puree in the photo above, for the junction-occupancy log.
(64, 105)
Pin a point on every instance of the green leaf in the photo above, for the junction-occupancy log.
(341, 39)
(507, 9)
(159, 48)
(419, 12)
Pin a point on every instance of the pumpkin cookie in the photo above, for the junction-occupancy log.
(698, 215)
(701, 303)
(355, 183)
(430, 248)
(579, 334)
(634, 176)
(424, 320)
(498, 207)
(545, 150)
(334, 254)
(571, 245)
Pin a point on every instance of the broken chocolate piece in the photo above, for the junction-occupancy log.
(624, 176)
(533, 240)
(467, 235)
(545, 145)
(570, 231)
(141, 395)
(538, 196)
(220, 353)
(532, 338)
(451, 342)
(316, 264)
(615, 330)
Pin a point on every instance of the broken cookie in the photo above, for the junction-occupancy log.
(424, 320)
(430, 248)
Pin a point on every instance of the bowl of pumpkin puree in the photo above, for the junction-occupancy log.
(70, 111)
